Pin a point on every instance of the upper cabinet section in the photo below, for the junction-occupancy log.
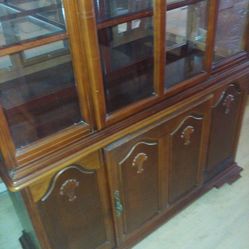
(146, 48)
(232, 28)
(186, 35)
(37, 77)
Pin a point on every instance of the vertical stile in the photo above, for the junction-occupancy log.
(90, 41)
(79, 60)
(7, 146)
(246, 35)
(212, 19)
(159, 45)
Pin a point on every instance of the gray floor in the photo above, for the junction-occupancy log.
(10, 228)
(218, 220)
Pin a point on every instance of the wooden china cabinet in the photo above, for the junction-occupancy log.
(116, 114)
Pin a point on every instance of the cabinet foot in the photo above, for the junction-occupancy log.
(26, 241)
(230, 175)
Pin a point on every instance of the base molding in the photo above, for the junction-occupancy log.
(230, 175)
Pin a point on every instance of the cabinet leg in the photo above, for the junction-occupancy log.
(26, 242)
(230, 175)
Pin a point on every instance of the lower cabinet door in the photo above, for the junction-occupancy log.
(226, 117)
(72, 208)
(187, 145)
(135, 166)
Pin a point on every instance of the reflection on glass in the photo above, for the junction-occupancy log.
(106, 9)
(37, 92)
(127, 62)
(29, 19)
(186, 34)
(232, 23)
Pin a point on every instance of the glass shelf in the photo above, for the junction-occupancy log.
(186, 34)
(19, 25)
(127, 62)
(37, 92)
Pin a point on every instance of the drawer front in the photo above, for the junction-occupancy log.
(74, 209)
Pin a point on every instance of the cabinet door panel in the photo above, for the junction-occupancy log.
(225, 117)
(74, 211)
(139, 179)
(185, 151)
(135, 166)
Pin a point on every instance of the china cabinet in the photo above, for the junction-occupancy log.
(116, 114)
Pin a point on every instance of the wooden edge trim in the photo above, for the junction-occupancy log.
(159, 45)
(89, 39)
(32, 44)
(210, 42)
(79, 61)
(56, 142)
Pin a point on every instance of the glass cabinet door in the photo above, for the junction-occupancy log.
(186, 33)
(37, 85)
(125, 35)
(232, 23)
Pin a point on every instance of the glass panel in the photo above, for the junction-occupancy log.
(37, 92)
(231, 25)
(173, 1)
(186, 34)
(106, 9)
(127, 62)
(28, 20)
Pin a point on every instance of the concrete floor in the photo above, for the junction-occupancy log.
(217, 220)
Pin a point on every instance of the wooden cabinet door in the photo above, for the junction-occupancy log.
(186, 151)
(226, 117)
(136, 171)
(73, 211)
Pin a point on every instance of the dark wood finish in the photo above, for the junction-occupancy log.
(32, 44)
(181, 3)
(185, 147)
(73, 208)
(138, 172)
(224, 126)
(159, 57)
(110, 180)
(122, 19)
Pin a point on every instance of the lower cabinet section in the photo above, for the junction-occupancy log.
(118, 194)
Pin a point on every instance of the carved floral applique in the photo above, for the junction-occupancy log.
(68, 189)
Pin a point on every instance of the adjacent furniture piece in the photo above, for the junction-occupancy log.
(116, 114)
